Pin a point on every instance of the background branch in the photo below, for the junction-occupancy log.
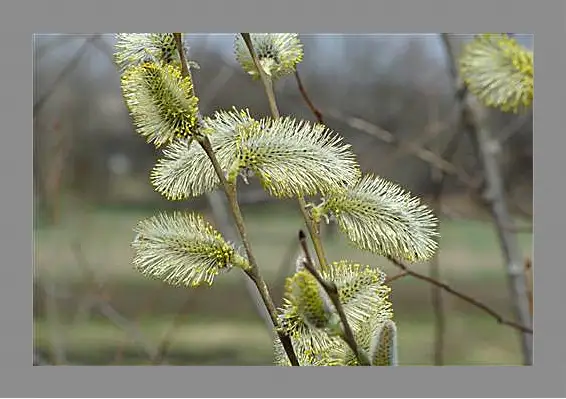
(500, 319)
(485, 151)
(421, 153)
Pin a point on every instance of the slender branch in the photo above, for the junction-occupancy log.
(165, 342)
(38, 105)
(332, 292)
(230, 191)
(268, 85)
(421, 153)
(319, 117)
(184, 65)
(266, 80)
(314, 233)
(396, 277)
(104, 307)
(314, 110)
(286, 261)
(253, 272)
(495, 196)
(408, 272)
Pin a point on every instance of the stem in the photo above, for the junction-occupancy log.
(231, 195)
(314, 233)
(314, 110)
(332, 292)
(253, 272)
(268, 85)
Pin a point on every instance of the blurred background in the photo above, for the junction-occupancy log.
(390, 96)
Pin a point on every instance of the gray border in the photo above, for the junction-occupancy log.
(545, 19)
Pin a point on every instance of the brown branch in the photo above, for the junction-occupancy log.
(314, 110)
(331, 231)
(332, 292)
(408, 272)
(396, 277)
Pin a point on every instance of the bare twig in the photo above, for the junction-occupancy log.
(216, 85)
(408, 272)
(332, 292)
(145, 308)
(286, 261)
(166, 340)
(68, 68)
(396, 277)
(314, 110)
(484, 149)
(320, 119)
(105, 308)
(423, 154)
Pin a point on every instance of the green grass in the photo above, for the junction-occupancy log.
(220, 326)
(466, 246)
(471, 340)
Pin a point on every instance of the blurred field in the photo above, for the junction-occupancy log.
(219, 325)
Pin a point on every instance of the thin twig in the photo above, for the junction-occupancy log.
(105, 308)
(483, 145)
(286, 261)
(319, 118)
(314, 110)
(408, 272)
(166, 340)
(231, 194)
(422, 153)
(144, 309)
(38, 105)
(332, 292)
(396, 277)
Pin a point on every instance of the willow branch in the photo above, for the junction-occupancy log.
(332, 292)
(268, 86)
(230, 191)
